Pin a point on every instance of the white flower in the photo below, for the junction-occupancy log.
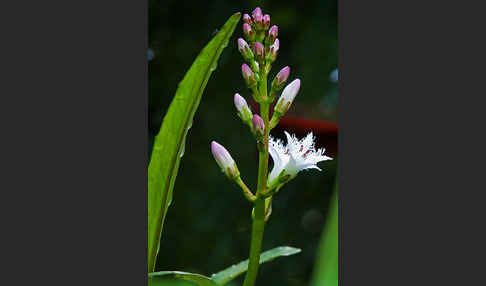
(296, 156)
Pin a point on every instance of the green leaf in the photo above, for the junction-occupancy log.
(169, 143)
(222, 277)
(156, 277)
(326, 267)
(232, 272)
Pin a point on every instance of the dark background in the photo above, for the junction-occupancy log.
(208, 224)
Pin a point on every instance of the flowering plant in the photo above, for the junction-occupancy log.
(259, 49)
(289, 159)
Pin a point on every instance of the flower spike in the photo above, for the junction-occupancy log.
(260, 50)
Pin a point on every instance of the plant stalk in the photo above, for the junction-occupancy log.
(256, 242)
(259, 204)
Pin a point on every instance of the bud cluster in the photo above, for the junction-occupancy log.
(259, 49)
(259, 53)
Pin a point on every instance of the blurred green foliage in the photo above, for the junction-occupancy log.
(208, 225)
(326, 268)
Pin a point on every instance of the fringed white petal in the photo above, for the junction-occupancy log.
(296, 156)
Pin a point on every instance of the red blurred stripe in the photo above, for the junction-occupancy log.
(317, 126)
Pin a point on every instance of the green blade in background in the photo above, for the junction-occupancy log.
(169, 143)
(326, 267)
(155, 278)
(234, 271)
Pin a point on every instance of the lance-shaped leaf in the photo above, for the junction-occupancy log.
(234, 271)
(222, 277)
(155, 278)
(169, 143)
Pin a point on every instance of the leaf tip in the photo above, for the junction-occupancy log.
(290, 250)
(237, 15)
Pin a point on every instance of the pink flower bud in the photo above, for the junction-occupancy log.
(276, 44)
(244, 112)
(258, 51)
(242, 45)
(240, 102)
(257, 14)
(247, 19)
(245, 50)
(273, 51)
(258, 17)
(272, 34)
(258, 125)
(224, 160)
(281, 78)
(287, 97)
(246, 29)
(246, 71)
(248, 75)
(266, 21)
(248, 32)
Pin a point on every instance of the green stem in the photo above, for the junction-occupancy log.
(246, 191)
(263, 152)
(256, 242)
(259, 204)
